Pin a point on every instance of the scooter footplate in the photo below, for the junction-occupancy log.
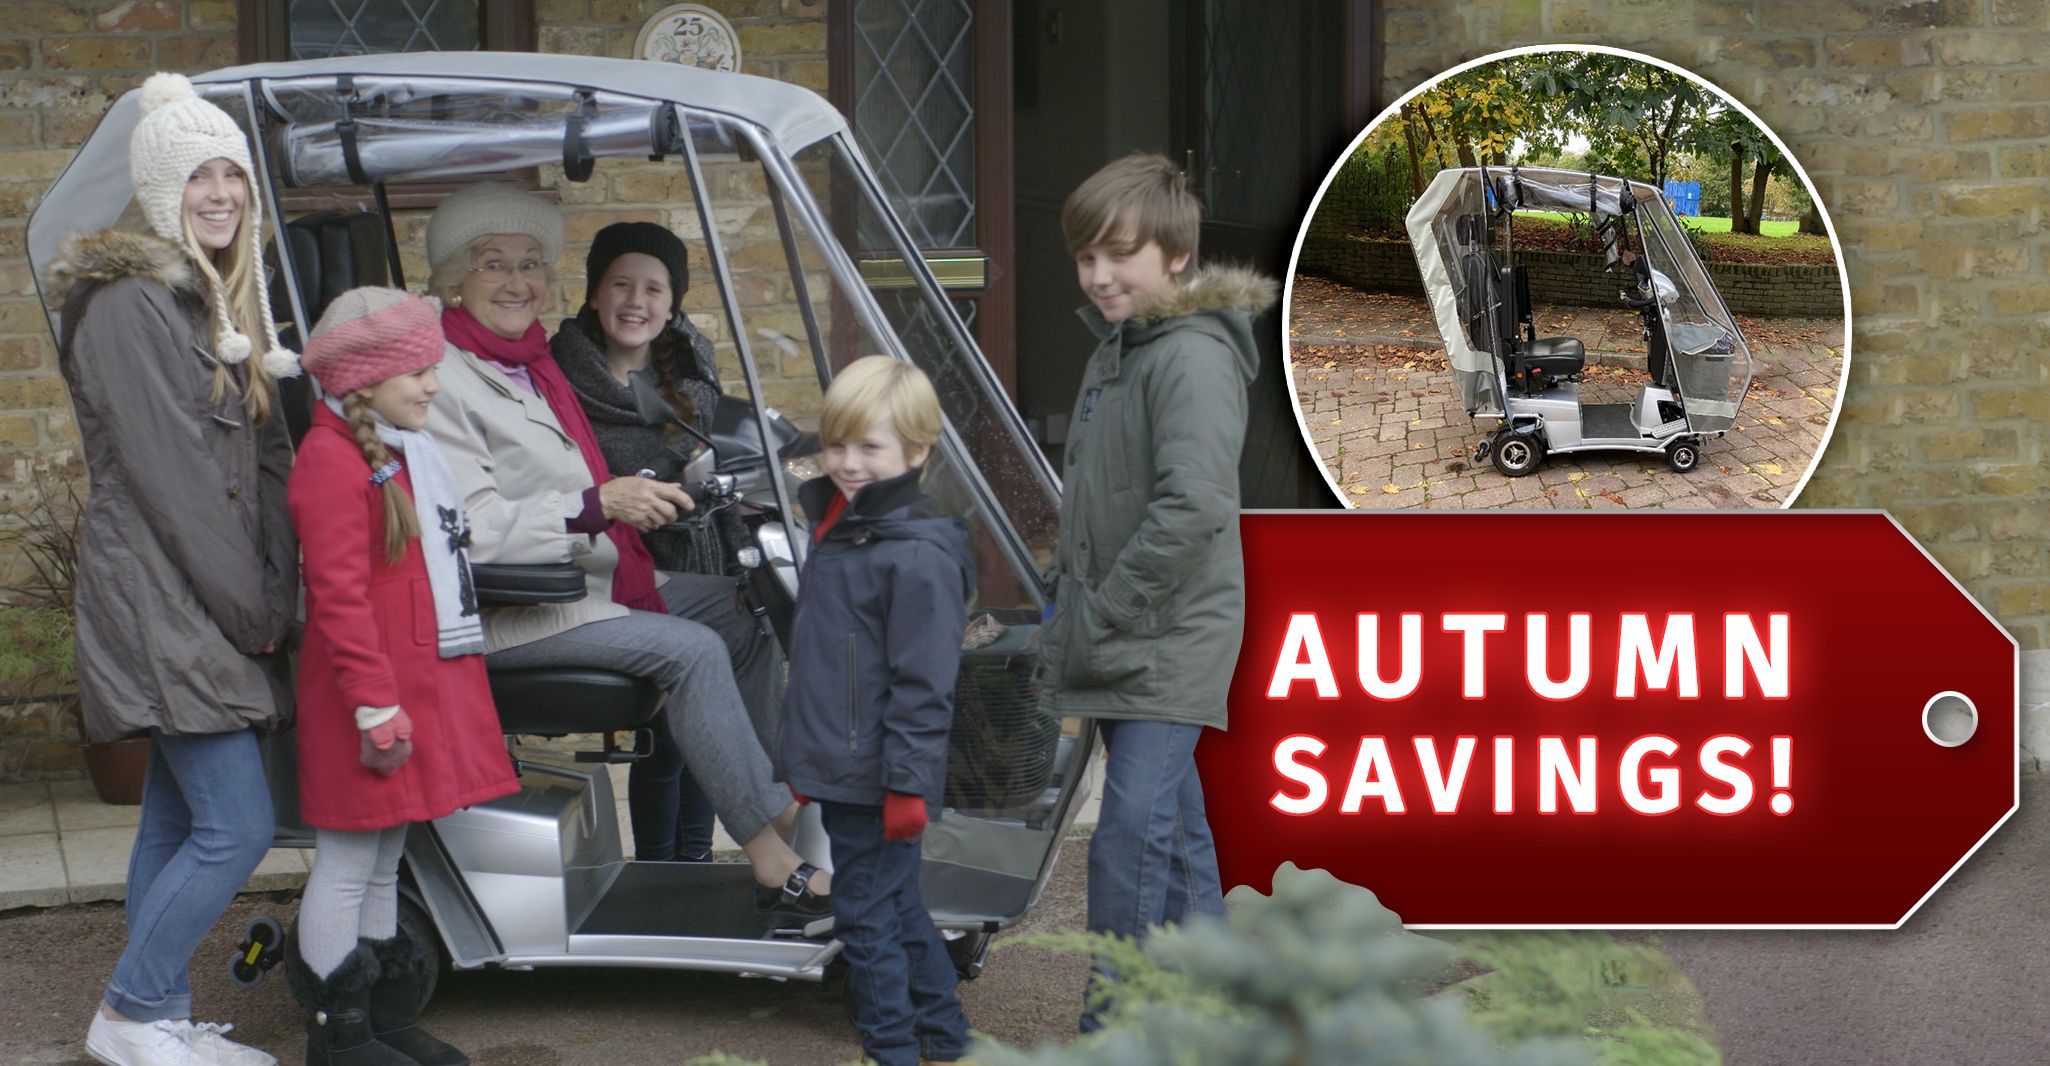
(1607, 421)
(677, 899)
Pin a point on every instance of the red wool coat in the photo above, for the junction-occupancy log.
(370, 642)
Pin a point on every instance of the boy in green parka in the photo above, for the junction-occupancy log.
(1147, 579)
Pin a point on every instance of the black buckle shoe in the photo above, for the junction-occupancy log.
(795, 905)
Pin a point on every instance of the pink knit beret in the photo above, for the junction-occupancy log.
(369, 334)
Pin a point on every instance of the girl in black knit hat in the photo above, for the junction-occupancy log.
(632, 320)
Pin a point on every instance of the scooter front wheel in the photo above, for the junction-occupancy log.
(1517, 454)
(1683, 455)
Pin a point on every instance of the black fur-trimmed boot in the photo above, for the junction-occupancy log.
(395, 1002)
(337, 1010)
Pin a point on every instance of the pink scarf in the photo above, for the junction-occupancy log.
(633, 583)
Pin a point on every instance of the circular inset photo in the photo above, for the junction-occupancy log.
(1572, 278)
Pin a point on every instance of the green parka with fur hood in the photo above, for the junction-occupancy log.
(1148, 585)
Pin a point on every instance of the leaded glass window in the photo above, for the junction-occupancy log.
(320, 29)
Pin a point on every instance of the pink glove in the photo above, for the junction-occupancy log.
(903, 816)
(386, 747)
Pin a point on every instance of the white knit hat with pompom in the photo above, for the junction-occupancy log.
(178, 132)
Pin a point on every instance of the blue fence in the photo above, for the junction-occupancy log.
(1685, 197)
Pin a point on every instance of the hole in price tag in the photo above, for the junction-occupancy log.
(1950, 719)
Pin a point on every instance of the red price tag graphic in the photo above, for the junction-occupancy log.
(1608, 720)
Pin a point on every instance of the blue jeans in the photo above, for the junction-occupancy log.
(1151, 859)
(899, 974)
(665, 806)
(206, 823)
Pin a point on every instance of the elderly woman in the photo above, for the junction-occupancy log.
(525, 458)
(632, 322)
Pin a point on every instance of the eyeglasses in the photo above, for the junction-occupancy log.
(498, 271)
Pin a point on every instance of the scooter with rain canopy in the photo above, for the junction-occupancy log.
(1462, 230)
(767, 180)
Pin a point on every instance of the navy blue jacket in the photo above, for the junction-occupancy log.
(876, 647)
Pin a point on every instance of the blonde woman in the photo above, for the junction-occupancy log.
(187, 572)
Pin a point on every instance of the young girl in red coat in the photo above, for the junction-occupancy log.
(396, 723)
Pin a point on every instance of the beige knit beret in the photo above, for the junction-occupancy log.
(487, 208)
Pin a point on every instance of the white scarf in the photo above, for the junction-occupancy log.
(444, 533)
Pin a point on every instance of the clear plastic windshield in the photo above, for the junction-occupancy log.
(1710, 359)
(788, 231)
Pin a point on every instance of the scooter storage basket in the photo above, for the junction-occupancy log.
(1002, 750)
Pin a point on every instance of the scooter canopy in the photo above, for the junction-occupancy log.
(1452, 229)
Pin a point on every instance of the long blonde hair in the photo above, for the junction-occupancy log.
(236, 287)
(401, 526)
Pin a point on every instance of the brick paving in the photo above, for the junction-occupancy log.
(1379, 407)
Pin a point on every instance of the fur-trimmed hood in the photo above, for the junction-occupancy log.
(93, 259)
(1218, 301)
(113, 254)
(1217, 288)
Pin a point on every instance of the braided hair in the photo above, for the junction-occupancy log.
(400, 524)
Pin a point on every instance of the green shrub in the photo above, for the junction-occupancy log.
(1318, 972)
(1370, 192)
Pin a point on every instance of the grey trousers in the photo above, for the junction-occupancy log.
(706, 652)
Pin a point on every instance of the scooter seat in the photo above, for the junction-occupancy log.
(555, 701)
(1555, 356)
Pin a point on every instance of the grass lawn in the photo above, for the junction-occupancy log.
(1700, 224)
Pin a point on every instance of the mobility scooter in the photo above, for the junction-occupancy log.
(1462, 230)
(766, 177)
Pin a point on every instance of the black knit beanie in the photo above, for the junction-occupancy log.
(646, 238)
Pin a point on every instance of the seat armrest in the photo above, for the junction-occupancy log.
(519, 585)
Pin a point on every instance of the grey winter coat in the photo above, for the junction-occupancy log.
(1149, 591)
(876, 647)
(187, 567)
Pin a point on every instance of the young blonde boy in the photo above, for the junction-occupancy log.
(1149, 590)
(881, 619)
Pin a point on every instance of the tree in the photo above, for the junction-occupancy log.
(1477, 116)
(1630, 111)
(1727, 136)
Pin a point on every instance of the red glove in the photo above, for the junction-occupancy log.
(800, 797)
(903, 816)
(386, 747)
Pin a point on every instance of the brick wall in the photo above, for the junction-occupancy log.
(1573, 278)
(1923, 125)
(64, 62)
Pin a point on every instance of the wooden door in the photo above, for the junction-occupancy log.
(926, 86)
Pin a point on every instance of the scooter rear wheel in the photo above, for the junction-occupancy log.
(1517, 454)
(968, 952)
(416, 925)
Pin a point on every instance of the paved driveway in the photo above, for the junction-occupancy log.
(1378, 405)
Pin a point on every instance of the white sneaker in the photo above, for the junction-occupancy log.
(209, 1041)
(161, 1043)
